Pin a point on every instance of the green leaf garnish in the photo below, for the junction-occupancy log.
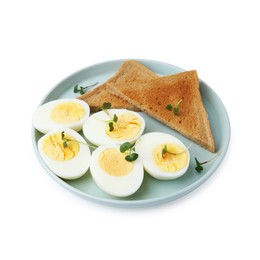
(199, 167)
(115, 118)
(66, 140)
(125, 147)
(169, 107)
(176, 111)
(164, 150)
(111, 126)
(132, 156)
(106, 105)
(65, 144)
(75, 89)
(81, 89)
(174, 108)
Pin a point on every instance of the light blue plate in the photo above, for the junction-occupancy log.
(152, 191)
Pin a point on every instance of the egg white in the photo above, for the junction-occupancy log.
(144, 147)
(119, 186)
(69, 169)
(95, 125)
(42, 121)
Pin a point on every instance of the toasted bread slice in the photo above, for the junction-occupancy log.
(153, 97)
(130, 71)
(96, 98)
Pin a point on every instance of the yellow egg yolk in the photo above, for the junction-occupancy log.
(113, 162)
(173, 160)
(127, 126)
(67, 112)
(53, 147)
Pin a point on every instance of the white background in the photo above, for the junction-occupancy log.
(43, 42)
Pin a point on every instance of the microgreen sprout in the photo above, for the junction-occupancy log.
(132, 156)
(81, 89)
(199, 167)
(174, 108)
(114, 119)
(66, 140)
(105, 107)
(165, 150)
(111, 126)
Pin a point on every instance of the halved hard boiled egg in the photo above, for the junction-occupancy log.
(113, 173)
(70, 113)
(113, 126)
(164, 156)
(65, 152)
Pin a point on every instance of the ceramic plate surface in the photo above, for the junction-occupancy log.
(152, 191)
